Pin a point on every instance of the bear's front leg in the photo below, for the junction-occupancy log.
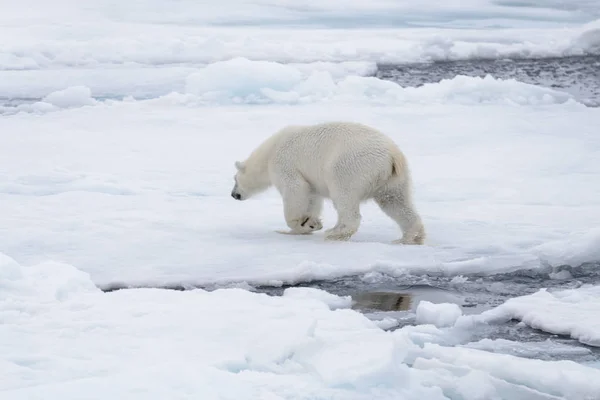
(313, 214)
(300, 210)
(303, 226)
(300, 223)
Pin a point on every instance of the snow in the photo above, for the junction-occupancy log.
(441, 315)
(119, 126)
(64, 338)
(571, 312)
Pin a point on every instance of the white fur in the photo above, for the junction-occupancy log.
(346, 162)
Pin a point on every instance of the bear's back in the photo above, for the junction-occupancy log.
(315, 150)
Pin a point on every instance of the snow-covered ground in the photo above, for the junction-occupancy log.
(138, 192)
(119, 127)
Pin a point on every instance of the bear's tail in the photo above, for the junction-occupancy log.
(399, 165)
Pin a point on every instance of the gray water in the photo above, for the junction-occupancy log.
(578, 76)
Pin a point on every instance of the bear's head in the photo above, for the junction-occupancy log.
(247, 182)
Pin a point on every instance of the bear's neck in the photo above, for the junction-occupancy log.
(259, 160)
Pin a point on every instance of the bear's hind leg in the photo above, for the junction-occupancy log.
(348, 210)
(395, 201)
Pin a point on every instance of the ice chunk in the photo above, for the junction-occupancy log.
(385, 322)
(561, 275)
(441, 315)
(74, 96)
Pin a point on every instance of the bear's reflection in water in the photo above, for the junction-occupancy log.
(407, 299)
(383, 301)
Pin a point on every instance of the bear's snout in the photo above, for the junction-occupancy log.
(236, 196)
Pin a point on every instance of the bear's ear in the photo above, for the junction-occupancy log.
(240, 166)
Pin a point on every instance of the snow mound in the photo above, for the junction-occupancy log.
(441, 315)
(471, 90)
(10, 270)
(242, 78)
(74, 96)
(570, 312)
(263, 82)
(48, 281)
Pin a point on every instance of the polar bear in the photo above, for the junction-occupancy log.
(347, 162)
